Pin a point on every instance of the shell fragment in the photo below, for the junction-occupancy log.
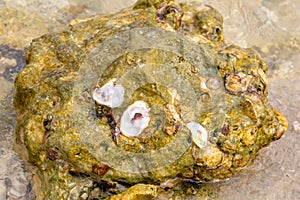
(199, 134)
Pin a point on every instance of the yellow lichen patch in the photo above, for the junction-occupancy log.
(137, 192)
(210, 157)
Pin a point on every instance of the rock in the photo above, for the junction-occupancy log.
(180, 71)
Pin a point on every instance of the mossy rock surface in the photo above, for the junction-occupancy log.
(206, 101)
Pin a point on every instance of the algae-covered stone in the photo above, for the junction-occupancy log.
(142, 96)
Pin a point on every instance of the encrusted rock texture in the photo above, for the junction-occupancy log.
(199, 105)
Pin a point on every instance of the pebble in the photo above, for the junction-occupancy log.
(296, 126)
(6, 62)
(5, 88)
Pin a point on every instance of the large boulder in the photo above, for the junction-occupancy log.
(142, 96)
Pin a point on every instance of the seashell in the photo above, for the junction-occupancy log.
(199, 134)
(135, 119)
(109, 94)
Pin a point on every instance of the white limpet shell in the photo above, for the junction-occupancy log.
(135, 119)
(199, 134)
(109, 94)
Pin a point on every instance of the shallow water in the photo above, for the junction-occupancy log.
(270, 27)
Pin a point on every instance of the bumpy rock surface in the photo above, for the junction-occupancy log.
(141, 96)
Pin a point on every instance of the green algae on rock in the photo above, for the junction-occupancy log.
(126, 98)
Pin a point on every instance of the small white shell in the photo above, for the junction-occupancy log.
(135, 119)
(109, 94)
(199, 134)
